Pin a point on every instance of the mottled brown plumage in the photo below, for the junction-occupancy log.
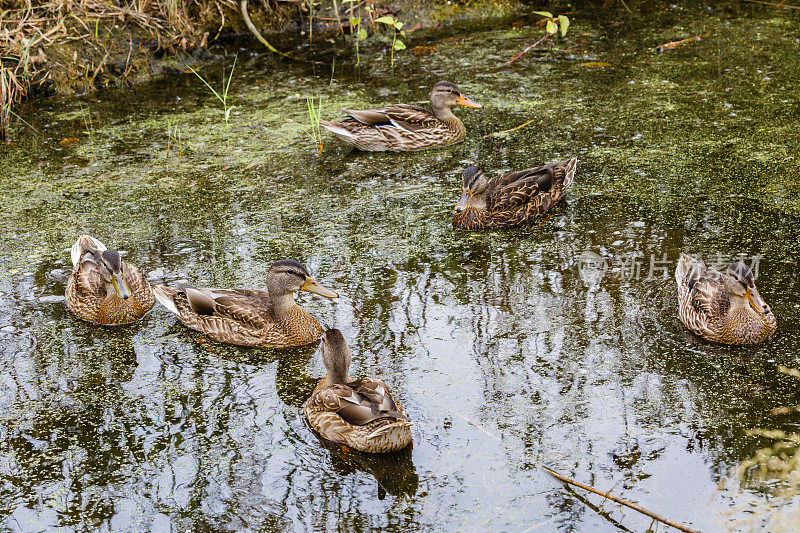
(724, 308)
(103, 288)
(513, 199)
(402, 127)
(361, 414)
(267, 319)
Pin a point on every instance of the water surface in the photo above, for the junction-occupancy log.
(506, 351)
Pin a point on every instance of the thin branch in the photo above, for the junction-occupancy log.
(633, 506)
(531, 47)
(773, 4)
(512, 129)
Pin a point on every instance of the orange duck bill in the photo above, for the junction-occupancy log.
(463, 100)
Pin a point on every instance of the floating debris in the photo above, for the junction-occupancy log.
(675, 44)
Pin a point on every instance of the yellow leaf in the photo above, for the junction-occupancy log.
(596, 64)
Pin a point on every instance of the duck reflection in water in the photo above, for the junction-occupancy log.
(395, 472)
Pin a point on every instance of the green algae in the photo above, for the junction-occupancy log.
(690, 150)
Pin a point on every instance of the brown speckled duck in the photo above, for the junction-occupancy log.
(361, 414)
(104, 288)
(402, 127)
(513, 199)
(266, 319)
(724, 308)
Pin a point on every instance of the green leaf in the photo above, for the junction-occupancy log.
(551, 27)
(361, 34)
(544, 14)
(563, 22)
(398, 25)
(399, 45)
(389, 21)
(353, 21)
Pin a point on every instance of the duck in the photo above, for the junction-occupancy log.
(361, 414)
(405, 127)
(103, 288)
(512, 199)
(253, 318)
(724, 308)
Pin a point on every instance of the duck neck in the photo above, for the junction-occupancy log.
(444, 113)
(336, 378)
(282, 301)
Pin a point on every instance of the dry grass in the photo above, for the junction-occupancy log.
(74, 45)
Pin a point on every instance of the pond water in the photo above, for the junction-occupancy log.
(557, 344)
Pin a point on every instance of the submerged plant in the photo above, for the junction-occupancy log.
(396, 26)
(314, 115)
(223, 98)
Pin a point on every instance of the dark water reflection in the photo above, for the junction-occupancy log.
(504, 351)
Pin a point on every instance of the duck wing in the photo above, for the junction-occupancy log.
(517, 188)
(404, 116)
(88, 282)
(249, 307)
(707, 295)
(360, 402)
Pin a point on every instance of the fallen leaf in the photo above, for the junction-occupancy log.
(69, 141)
(424, 50)
(596, 64)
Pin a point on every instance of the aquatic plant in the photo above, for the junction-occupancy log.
(314, 115)
(87, 121)
(174, 137)
(357, 33)
(553, 25)
(223, 98)
(396, 26)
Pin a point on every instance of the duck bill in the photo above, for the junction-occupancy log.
(756, 301)
(463, 203)
(120, 286)
(311, 285)
(463, 100)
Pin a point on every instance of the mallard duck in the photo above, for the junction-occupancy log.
(403, 127)
(104, 288)
(266, 319)
(512, 199)
(361, 414)
(723, 308)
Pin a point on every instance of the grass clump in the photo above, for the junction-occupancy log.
(222, 96)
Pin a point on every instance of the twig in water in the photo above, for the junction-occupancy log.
(512, 129)
(633, 506)
(773, 4)
(675, 44)
(531, 47)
